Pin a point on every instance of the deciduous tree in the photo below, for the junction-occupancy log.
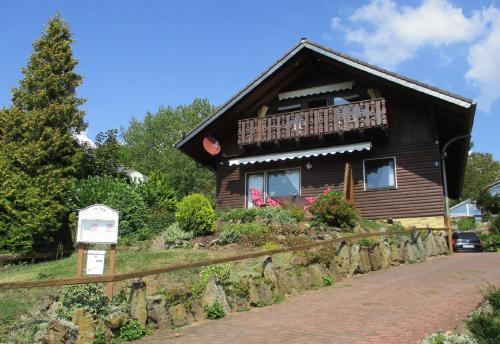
(149, 147)
(481, 171)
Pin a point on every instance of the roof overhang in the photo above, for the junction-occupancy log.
(301, 154)
(347, 60)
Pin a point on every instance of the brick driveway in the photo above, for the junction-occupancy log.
(399, 305)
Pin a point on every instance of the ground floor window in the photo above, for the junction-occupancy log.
(380, 173)
(274, 183)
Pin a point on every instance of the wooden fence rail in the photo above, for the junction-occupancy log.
(144, 273)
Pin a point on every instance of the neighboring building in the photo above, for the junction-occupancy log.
(292, 130)
(467, 208)
(133, 175)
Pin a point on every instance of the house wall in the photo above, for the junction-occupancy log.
(412, 141)
(418, 192)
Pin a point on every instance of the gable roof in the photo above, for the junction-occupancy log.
(395, 78)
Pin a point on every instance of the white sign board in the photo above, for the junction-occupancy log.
(97, 224)
(95, 262)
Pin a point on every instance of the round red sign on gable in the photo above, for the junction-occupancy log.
(211, 145)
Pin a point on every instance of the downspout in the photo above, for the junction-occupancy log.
(445, 185)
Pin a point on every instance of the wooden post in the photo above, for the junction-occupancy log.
(79, 261)
(348, 184)
(450, 239)
(111, 271)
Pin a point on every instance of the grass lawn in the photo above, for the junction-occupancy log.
(14, 303)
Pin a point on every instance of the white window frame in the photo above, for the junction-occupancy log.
(382, 187)
(266, 181)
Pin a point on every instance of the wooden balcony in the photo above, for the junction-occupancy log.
(313, 122)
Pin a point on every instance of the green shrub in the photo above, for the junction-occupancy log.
(175, 237)
(239, 215)
(449, 338)
(324, 255)
(117, 194)
(195, 214)
(229, 237)
(495, 225)
(161, 200)
(221, 271)
(214, 311)
(276, 216)
(327, 280)
(230, 233)
(132, 330)
(296, 212)
(99, 336)
(439, 338)
(485, 327)
(260, 239)
(465, 224)
(87, 296)
(492, 294)
(490, 238)
(332, 209)
(174, 296)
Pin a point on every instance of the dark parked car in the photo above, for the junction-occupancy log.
(466, 242)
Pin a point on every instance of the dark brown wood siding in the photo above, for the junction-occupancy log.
(418, 193)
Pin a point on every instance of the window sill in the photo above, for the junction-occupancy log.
(381, 188)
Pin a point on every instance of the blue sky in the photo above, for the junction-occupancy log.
(138, 55)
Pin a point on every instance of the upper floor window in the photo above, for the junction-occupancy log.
(380, 173)
(345, 99)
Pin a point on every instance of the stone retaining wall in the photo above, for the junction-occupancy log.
(271, 285)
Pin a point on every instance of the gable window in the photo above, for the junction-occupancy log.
(380, 173)
(345, 99)
(276, 183)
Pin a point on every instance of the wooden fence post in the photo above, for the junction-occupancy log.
(79, 262)
(111, 271)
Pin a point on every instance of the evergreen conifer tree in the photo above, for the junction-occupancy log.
(39, 156)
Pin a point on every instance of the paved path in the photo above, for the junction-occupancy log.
(399, 305)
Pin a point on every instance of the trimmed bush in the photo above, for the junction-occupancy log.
(331, 209)
(195, 214)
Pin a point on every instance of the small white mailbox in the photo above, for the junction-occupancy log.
(95, 262)
(97, 224)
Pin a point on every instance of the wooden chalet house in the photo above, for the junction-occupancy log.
(292, 130)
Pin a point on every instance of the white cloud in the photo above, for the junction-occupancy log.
(390, 34)
(484, 58)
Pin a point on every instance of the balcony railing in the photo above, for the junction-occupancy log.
(313, 122)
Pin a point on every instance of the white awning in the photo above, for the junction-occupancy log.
(317, 90)
(301, 154)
